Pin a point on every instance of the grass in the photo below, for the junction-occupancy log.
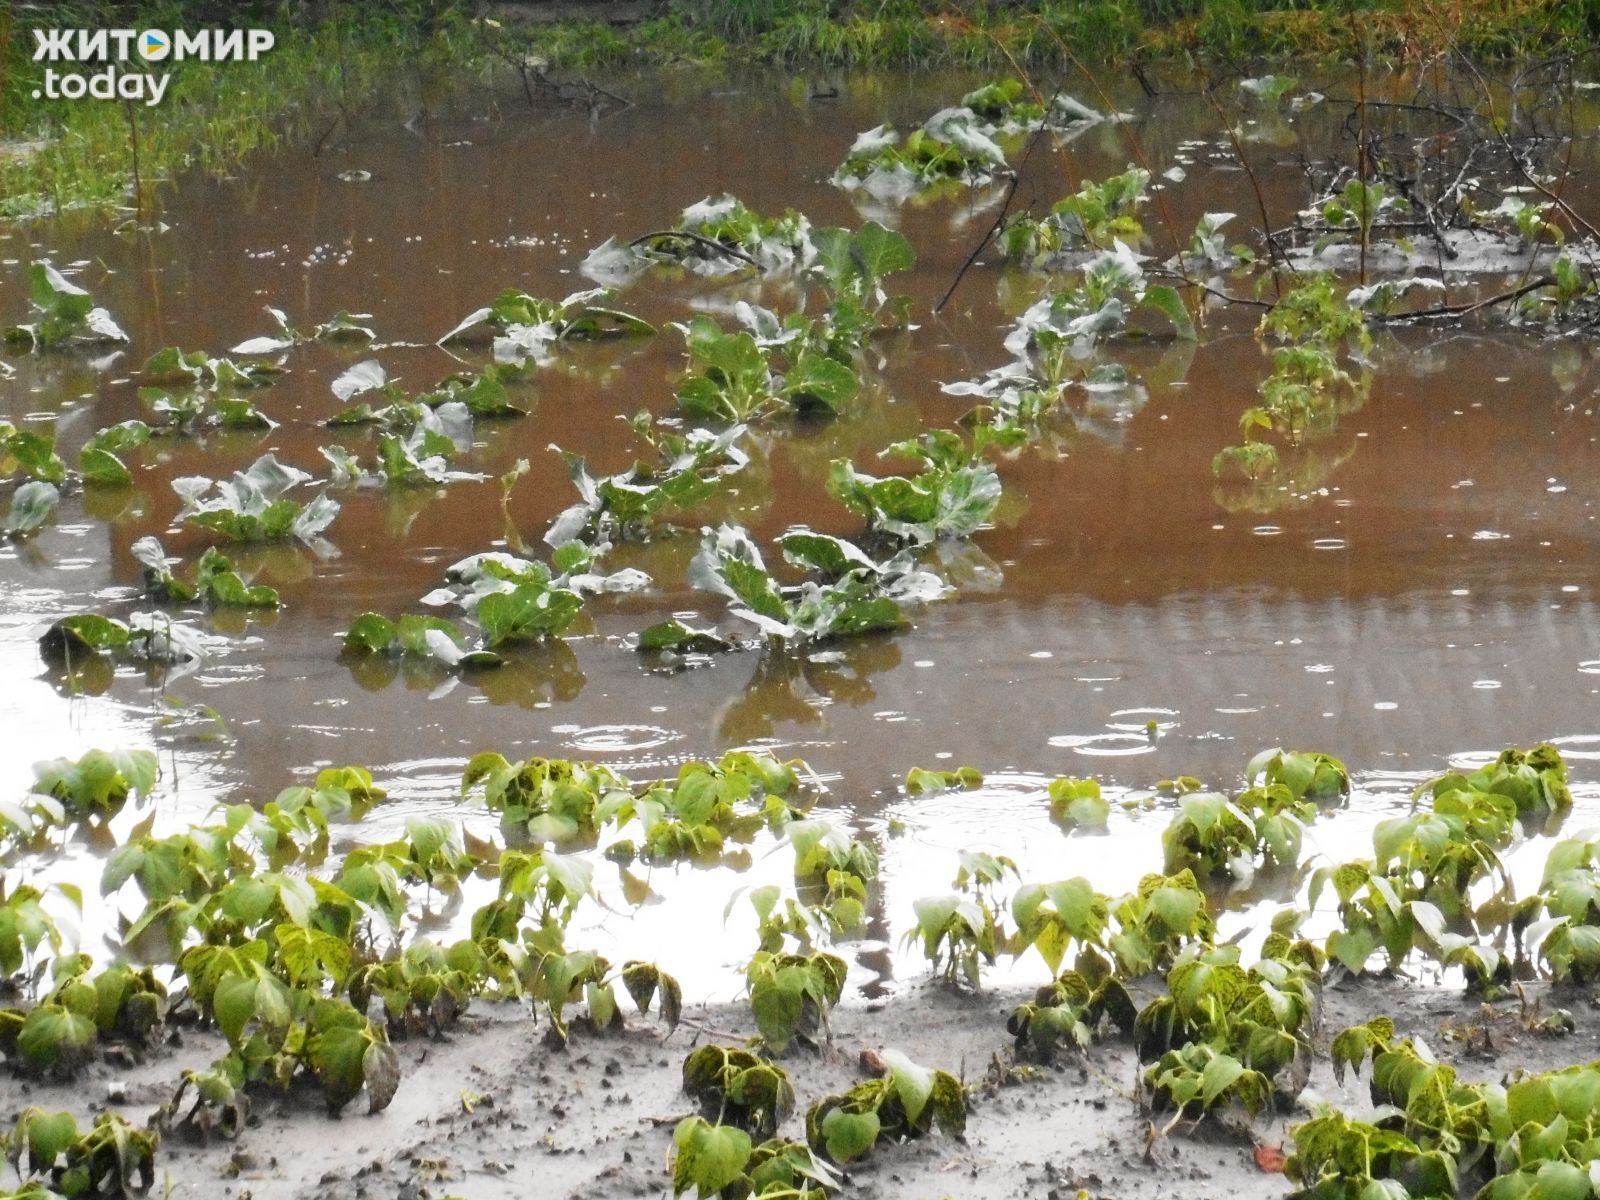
(912, 33)
(214, 116)
(56, 156)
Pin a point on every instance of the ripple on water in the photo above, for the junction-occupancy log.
(1578, 745)
(1592, 667)
(1471, 760)
(1104, 745)
(1137, 720)
(615, 739)
(423, 780)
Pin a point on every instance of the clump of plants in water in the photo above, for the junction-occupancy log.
(851, 593)
(520, 327)
(343, 328)
(64, 314)
(516, 599)
(1095, 217)
(718, 236)
(1308, 387)
(1417, 891)
(957, 144)
(1215, 835)
(420, 457)
(734, 379)
(690, 468)
(215, 582)
(252, 506)
(416, 637)
(152, 638)
(952, 496)
(1056, 346)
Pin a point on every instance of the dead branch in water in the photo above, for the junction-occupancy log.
(699, 239)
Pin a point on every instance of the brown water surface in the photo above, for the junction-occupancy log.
(1425, 595)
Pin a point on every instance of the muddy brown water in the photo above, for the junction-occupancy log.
(1425, 597)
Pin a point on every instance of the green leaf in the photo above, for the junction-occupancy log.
(234, 1004)
(1165, 299)
(912, 1083)
(36, 454)
(708, 1157)
(52, 1035)
(1217, 1077)
(1353, 948)
(31, 506)
(879, 251)
(849, 1135)
(1177, 907)
(47, 1135)
(101, 468)
(818, 382)
(528, 612)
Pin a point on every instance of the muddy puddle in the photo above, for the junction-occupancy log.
(1423, 594)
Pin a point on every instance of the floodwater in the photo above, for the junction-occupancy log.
(1425, 595)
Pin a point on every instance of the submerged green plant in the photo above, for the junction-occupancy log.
(64, 314)
(859, 596)
(689, 469)
(410, 636)
(879, 162)
(34, 454)
(720, 235)
(215, 580)
(195, 368)
(735, 380)
(1096, 216)
(519, 326)
(343, 328)
(952, 496)
(251, 507)
(31, 506)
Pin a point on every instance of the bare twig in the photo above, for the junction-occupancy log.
(595, 87)
(700, 239)
(1528, 176)
(1467, 308)
(1274, 251)
(1227, 297)
(1005, 207)
(1132, 139)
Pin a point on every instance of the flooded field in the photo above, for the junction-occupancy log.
(1419, 593)
(1425, 598)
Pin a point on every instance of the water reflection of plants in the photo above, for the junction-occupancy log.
(797, 689)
